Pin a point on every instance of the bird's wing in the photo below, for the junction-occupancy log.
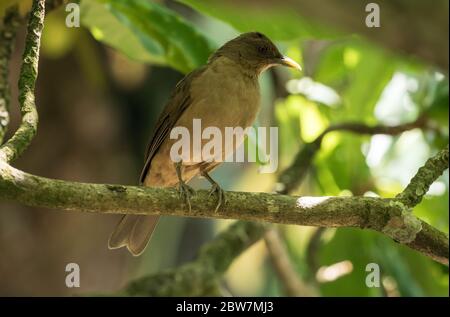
(177, 104)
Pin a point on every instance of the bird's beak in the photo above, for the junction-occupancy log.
(289, 62)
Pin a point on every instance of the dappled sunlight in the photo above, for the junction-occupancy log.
(314, 91)
(396, 104)
(310, 202)
(438, 188)
(377, 149)
(387, 159)
(312, 122)
(330, 273)
(351, 57)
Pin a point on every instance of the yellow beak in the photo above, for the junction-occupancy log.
(289, 62)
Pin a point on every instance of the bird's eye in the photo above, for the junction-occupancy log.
(263, 49)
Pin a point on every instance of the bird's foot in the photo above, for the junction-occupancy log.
(221, 198)
(186, 192)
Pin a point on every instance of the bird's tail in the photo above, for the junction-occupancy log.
(133, 232)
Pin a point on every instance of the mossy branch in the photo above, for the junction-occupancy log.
(8, 30)
(363, 212)
(421, 182)
(27, 81)
(197, 278)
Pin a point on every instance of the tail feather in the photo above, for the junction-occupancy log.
(133, 232)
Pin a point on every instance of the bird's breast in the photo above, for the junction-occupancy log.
(225, 96)
(221, 97)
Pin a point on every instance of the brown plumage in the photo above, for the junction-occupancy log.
(223, 93)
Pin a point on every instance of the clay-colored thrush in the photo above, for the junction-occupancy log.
(223, 93)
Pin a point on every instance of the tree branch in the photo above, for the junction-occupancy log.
(359, 128)
(8, 31)
(281, 262)
(28, 74)
(379, 214)
(312, 250)
(421, 182)
(291, 177)
(204, 277)
(197, 278)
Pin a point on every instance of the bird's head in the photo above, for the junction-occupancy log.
(255, 52)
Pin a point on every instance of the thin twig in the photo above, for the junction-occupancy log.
(291, 177)
(360, 128)
(282, 264)
(426, 175)
(312, 251)
(292, 282)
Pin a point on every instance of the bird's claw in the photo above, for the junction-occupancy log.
(185, 191)
(221, 198)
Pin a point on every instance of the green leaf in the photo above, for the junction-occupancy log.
(359, 72)
(281, 23)
(438, 108)
(146, 32)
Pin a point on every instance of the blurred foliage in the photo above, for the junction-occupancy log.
(23, 5)
(146, 32)
(346, 78)
(284, 24)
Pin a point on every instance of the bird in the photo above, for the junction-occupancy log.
(222, 93)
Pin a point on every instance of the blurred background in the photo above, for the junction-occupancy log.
(101, 87)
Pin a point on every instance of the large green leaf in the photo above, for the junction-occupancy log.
(359, 72)
(146, 32)
(281, 23)
(405, 266)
